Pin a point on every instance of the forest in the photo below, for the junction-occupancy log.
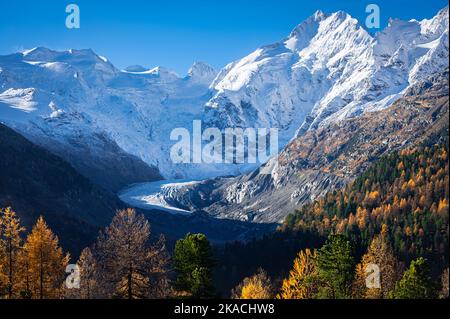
(385, 235)
(400, 205)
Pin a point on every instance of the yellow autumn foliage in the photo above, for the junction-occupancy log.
(302, 280)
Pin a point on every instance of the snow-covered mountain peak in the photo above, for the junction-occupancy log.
(202, 72)
(82, 64)
(42, 54)
(437, 24)
(72, 100)
(327, 22)
(328, 68)
(398, 33)
(39, 54)
(309, 23)
(319, 15)
(339, 17)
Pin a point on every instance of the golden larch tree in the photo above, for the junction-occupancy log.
(302, 282)
(46, 263)
(128, 264)
(444, 284)
(10, 243)
(258, 286)
(88, 275)
(381, 255)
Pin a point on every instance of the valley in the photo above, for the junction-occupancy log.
(284, 174)
(114, 126)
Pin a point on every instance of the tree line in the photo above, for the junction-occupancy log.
(123, 263)
(392, 221)
(407, 190)
(403, 196)
(32, 267)
(332, 272)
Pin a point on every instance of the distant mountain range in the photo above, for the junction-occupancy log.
(80, 106)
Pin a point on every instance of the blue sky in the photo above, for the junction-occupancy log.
(173, 33)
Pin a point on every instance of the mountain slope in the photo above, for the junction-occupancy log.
(80, 106)
(323, 159)
(406, 190)
(328, 69)
(35, 182)
(415, 213)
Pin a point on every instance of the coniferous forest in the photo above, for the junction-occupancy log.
(391, 220)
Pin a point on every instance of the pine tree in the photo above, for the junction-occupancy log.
(335, 263)
(381, 255)
(46, 263)
(303, 281)
(416, 283)
(193, 262)
(10, 240)
(258, 286)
